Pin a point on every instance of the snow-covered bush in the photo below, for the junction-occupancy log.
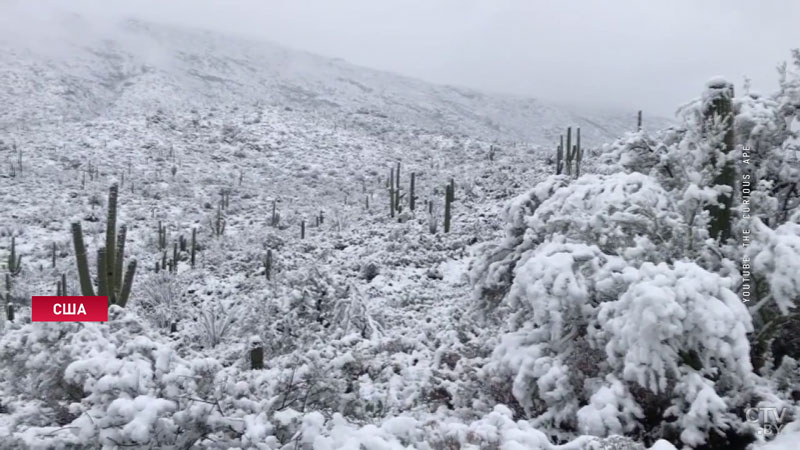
(623, 214)
(114, 384)
(634, 152)
(605, 316)
(160, 298)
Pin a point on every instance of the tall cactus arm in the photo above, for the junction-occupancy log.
(120, 255)
(80, 257)
(126, 284)
(111, 234)
(102, 275)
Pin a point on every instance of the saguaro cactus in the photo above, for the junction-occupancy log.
(257, 355)
(397, 176)
(639, 121)
(84, 277)
(559, 159)
(174, 266)
(110, 279)
(162, 236)
(448, 200)
(719, 113)
(578, 152)
(194, 245)
(569, 153)
(14, 262)
(61, 286)
(569, 150)
(8, 288)
(268, 264)
(391, 192)
(218, 225)
(412, 199)
(274, 219)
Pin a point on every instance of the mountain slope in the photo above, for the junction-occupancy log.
(141, 67)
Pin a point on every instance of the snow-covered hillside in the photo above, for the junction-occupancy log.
(318, 309)
(137, 67)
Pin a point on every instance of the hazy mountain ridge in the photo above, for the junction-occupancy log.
(143, 66)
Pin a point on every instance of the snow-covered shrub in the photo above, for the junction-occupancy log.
(615, 212)
(682, 331)
(119, 386)
(215, 321)
(159, 298)
(634, 152)
(586, 329)
(623, 214)
(352, 314)
(606, 325)
(492, 269)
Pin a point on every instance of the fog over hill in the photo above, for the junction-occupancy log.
(72, 72)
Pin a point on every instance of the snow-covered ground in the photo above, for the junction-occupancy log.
(374, 328)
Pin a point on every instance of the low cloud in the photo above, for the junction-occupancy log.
(621, 54)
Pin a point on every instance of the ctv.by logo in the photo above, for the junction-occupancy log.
(770, 420)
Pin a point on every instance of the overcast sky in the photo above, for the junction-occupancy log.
(629, 54)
